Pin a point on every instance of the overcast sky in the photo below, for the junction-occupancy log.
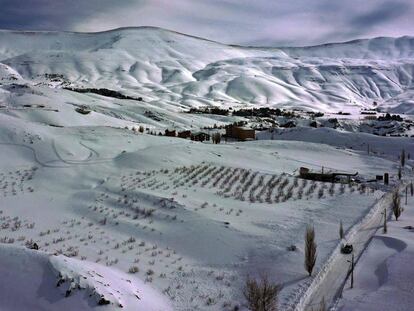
(247, 22)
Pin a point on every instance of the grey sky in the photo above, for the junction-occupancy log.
(258, 22)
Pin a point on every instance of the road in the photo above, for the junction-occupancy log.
(329, 282)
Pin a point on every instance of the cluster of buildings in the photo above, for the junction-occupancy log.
(240, 133)
(196, 136)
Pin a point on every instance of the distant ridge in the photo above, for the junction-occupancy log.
(179, 70)
(155, 28)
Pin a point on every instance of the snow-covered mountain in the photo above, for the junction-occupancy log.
(177, 70)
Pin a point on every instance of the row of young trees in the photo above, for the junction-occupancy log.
(396, 207)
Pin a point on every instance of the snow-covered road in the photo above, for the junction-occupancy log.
(329, 281)
(384, 279)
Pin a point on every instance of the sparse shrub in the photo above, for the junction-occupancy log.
(130, 240)
(320, 193)
(210, 301)
(300, 193)
(133, 269)
(332, 189)
(31, 244)
(291, 248)
(261, 295)
(71, 252)
(6, 240)
(362, 188)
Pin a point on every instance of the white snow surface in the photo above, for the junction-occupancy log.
(29, 282)
(120, 199)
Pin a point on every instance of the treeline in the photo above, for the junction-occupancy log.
(389, 117)
(103, 92)
(262, 112)
(208, 110)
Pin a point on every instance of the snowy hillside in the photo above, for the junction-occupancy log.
(118, 211)
(193, 218)
(176, 71)
(27, 274)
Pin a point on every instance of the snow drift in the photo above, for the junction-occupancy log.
(33, 280)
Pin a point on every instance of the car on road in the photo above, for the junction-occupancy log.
(347, 249)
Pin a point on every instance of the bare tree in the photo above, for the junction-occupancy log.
(402, 158)
(261, 295)
(396, 204)
(310, 249)
(399, 173)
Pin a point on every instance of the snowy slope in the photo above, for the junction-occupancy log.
(38, 281)
(168, 68)
(174, 208)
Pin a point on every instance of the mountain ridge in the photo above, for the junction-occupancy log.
(138, 28)
(173, 69)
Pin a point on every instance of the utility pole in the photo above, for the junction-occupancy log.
(406, 194)
(352, 270)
